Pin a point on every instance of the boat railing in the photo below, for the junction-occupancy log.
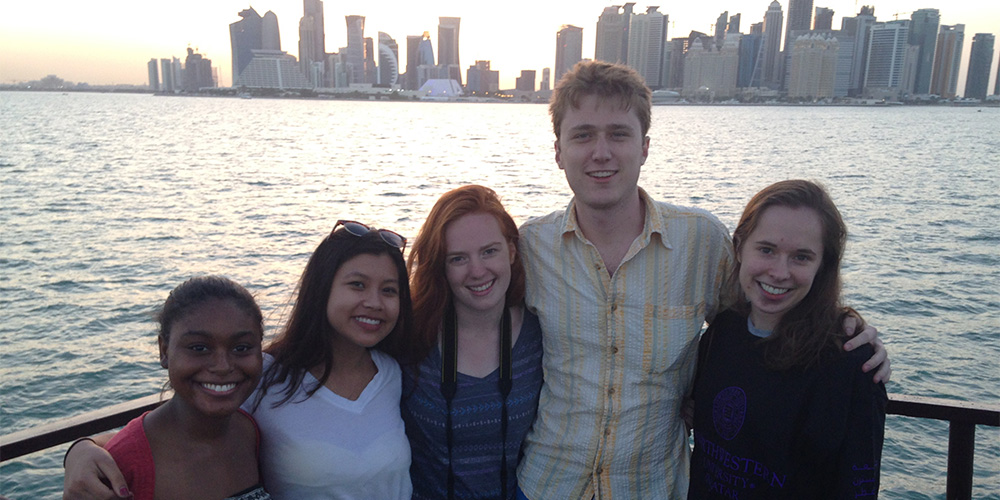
(963, 417)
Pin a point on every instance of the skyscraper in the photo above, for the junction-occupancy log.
(799, 19)
(312, 36)
(749, 51)
(720, 28)
(612, 33)
(388, 60)
(412, 46)
(823, 19)
(860, 28)
(923, 34)
(197, 72)
(734, 24)
(947, 57)
(269, 35)
(544, 84)
(996, 84)
(245, 36)
(769, 64)
(526, 81)
(647, 44)
(448, 47)
(673, 71)
(887, 57)
(813, 66)
(707, 67)
(168, 79)
(355, 49)
(152, 67)
(569, 49)
(371, 73)
(980, 62)
(481, 79)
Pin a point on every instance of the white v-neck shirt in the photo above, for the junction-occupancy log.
(329, 447)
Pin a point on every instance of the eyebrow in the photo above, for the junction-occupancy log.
(768, 243)
(613, 126)
(202, 333)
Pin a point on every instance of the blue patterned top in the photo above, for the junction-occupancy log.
(475, 421)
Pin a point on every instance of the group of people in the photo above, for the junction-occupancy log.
(551, 361)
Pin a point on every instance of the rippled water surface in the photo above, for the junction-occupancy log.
(109, 201)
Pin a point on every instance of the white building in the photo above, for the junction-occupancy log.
(647, 45)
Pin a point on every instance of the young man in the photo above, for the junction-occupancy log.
(622, 285)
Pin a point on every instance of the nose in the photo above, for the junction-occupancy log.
(602, 148)
(476, 267)
(779, 269)
(373, 299)
(221, 361)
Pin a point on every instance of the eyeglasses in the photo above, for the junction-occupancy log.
(358, 229)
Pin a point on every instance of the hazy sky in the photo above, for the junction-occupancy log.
(110, 41)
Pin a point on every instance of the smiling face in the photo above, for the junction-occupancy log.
(778, 262)
(601, 149)
(477, 263)
(363, 305)
(213, 357)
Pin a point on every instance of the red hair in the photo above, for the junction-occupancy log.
(428, 281)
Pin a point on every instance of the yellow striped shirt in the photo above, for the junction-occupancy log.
(619, 352)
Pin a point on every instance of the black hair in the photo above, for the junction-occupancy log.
(196, 291)
(306, 342)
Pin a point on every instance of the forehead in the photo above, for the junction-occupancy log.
(215, 316)
(597, 110)
(799, 226)
(377, 267)
(472, 228)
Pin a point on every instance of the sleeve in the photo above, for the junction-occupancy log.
(134, 458)
(860, 455)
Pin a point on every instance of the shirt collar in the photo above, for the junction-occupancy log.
(654, 223)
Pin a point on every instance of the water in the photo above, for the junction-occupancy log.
(109, 201)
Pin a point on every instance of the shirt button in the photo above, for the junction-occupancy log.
(611, 391)
(614, 307)
(600, 470)
(614, 349)
(607, 431)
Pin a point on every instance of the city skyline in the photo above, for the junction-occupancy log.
(112, 43)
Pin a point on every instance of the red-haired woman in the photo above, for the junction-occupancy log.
(472, 372)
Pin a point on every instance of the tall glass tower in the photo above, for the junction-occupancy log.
(923, 33)
(980, 61)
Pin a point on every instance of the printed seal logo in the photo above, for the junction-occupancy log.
(728, 411)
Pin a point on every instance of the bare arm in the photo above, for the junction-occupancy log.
(91, 473)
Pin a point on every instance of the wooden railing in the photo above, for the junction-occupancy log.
(963, 418)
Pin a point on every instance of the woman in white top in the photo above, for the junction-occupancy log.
(328, 402)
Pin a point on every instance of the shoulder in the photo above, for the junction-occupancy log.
(386, 364)
(530, 324)
(724, 323)
(544, 226)
(130, 447)
(669, 216)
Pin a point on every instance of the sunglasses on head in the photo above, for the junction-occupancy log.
(390, 238)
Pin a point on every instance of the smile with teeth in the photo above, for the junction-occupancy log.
(219, 387)
(368, 321)
(602, 174)
(483, 287)
(773, 290)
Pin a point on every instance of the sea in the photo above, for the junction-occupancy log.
(108, 201)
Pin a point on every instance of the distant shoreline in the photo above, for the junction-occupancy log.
(385, 95)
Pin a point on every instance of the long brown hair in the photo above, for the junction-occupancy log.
(812, 329)
(428, 281)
